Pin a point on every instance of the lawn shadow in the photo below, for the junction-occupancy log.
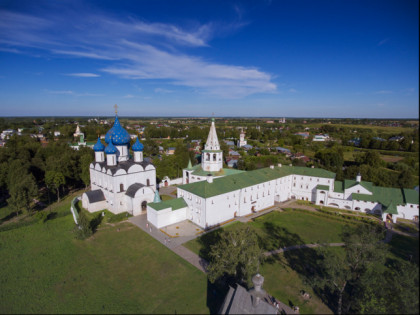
(206, 241)
(304, 261)
(94, 223)
(8, 217)
(274, 237)
(405, 247)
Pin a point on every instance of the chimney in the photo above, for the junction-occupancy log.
(209, 178)
(358, 177)
(257, 293)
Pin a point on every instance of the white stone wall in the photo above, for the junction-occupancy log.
(110, 184)
(93, 207)
(408, 211)
(165, 217)
(357, 189)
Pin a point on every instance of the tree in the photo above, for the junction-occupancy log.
(55, 180)
(83, 230)
(405, 179)
(237, 254)
(342, 274)
(85, 161)
(22, 191)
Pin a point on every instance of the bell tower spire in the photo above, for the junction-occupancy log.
(212, 157)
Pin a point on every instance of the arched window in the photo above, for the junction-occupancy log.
(214, 156)
(121, 187)
(208, 157)
(147, 182)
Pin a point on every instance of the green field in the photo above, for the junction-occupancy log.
(280, 229)
(288, 273)
(120, 269)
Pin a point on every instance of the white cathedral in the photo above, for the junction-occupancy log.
(211, 195)
(119, 183)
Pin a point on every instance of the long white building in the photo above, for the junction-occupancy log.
(211, 196)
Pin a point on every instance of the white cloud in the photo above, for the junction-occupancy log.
(83, 75)
(164, 91)
(292, 90)
(72, 93)
(137, 50)
(128, 96)
(67, 92)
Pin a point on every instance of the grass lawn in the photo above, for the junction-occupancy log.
(279, 229)
(45, 270)
(288, 273)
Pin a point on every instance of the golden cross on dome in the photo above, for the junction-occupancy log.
(116, 109)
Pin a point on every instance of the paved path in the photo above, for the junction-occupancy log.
(281, 250)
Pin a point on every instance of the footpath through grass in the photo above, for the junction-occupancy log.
(120, 269)
(288, 273)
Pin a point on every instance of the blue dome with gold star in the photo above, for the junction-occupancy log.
(99, 146)
(117, 134)
(138, 146)
(111, 149)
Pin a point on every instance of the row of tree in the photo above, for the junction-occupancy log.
(29, 171)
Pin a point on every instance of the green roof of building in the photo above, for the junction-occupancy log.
(175, 204)
(340, 186)
(322, 187)
(348, 183)
(390, 208)
(411, 196)
(223, 172)
(390, 198)
(245, 179)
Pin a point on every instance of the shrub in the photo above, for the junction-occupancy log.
(83, 230)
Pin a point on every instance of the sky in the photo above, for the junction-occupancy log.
(297, 58)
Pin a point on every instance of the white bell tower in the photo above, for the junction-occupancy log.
(212, 156)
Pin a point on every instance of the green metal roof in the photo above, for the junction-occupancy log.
(390, 208)
(245, 179)
(322, 187)
(175, 204)
(338, 186)
(411, 196)
(223, 172)
(348, 183)
(390, 198)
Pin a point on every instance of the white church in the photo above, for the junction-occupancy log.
(211, 195)
(119, 183)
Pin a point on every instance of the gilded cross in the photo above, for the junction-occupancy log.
(116, 109)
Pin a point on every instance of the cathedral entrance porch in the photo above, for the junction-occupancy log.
(144, 206)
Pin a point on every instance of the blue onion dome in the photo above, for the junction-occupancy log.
(117, 134)
(111, 149)
(138, 146)
(99, 146)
